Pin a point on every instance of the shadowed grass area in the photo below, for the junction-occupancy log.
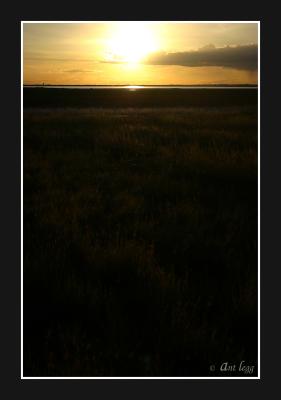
(140, 240)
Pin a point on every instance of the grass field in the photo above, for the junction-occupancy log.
(140, 236)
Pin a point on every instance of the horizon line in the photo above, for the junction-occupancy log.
(141, 86)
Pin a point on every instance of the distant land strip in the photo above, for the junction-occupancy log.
(42, 97)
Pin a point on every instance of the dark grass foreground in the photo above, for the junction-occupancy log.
(140, 241)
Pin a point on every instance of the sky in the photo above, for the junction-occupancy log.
(140, 53)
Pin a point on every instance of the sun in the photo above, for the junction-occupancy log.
(130, 42)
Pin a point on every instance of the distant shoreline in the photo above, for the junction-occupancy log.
(242, 86)
(118, 97)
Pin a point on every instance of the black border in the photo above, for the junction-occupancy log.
(11, 180)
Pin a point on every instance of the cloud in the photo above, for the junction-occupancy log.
(243, 57)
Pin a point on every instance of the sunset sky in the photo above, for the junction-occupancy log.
(139, 53)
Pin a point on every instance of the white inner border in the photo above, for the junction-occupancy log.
(143, 377)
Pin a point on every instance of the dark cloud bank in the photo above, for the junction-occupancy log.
(238, 57)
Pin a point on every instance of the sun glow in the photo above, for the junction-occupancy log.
(130, 42)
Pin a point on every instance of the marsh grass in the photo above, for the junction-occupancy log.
(140, 240)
